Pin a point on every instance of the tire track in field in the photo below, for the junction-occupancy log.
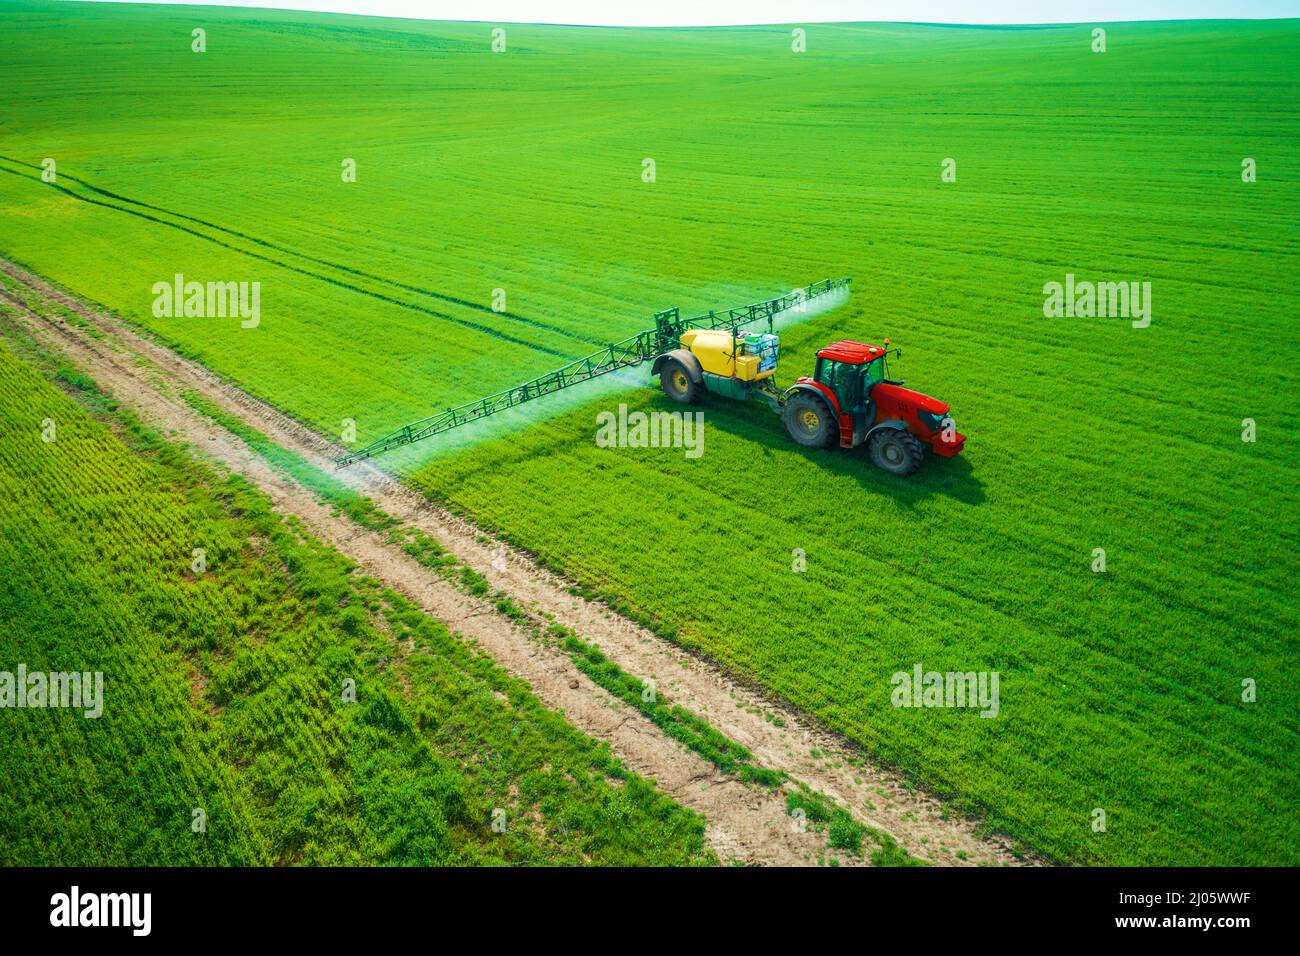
(779, 737)
(475, 326)
(455, 300)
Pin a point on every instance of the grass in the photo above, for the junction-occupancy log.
(676, 721)
(522, 171)
(843, 832)
(226, 689)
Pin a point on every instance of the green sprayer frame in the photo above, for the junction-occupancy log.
(644, 346)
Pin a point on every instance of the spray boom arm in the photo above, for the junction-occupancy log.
(669, 326)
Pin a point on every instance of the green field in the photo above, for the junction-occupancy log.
(223, 689)
(522, 171)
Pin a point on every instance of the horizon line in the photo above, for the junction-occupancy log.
(677, 26)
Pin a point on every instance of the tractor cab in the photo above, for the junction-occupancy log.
(851, 370)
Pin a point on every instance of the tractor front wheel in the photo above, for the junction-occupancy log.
(808, 421)
(678, 384)
(896, 451)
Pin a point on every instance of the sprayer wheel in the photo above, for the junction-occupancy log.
(678, 384)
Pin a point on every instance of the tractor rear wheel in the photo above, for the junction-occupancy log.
(896, 451)
(678, 384)
(808, 421)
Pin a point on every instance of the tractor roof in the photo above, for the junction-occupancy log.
(854, 353)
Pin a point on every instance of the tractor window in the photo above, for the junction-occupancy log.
(846, 381)
(873, 372)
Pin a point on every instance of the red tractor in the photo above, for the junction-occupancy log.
(849, 399)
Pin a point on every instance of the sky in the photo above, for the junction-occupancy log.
(713, 12)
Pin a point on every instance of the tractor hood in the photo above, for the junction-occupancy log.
(886, 393)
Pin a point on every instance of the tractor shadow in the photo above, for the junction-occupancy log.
(947, 477)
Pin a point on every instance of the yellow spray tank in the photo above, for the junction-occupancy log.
(717, 353)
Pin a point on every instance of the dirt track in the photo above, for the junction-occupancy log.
(745, 823)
